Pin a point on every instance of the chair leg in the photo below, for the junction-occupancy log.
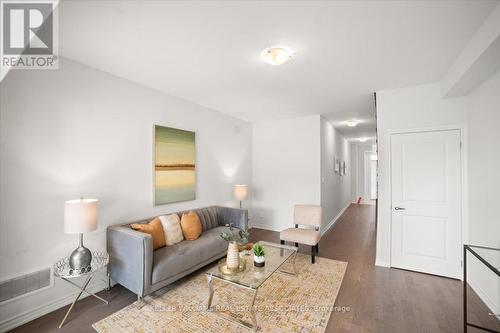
(313, 254)
(296, 244)
(317, 248)
(282, 242)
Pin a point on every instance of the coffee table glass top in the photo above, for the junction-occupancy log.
(253, 277)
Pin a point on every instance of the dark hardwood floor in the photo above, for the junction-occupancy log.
(379, 299)
(387, 299)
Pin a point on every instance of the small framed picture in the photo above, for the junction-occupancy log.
(342, 168)
(336, 164)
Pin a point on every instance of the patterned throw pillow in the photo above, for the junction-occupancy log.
(191, 226)
(172, 229)
(155, 229)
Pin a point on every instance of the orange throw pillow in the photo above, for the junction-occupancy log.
(191, 226)
(155, 229)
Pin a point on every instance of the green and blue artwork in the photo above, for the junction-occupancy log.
(175, 167)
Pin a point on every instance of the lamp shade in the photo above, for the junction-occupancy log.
(240, 192)
(80, 216)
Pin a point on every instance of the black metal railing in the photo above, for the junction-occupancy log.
(495, 270)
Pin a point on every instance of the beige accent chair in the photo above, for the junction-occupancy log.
(310, 217)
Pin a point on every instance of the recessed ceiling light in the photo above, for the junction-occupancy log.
(352, 123)
(362, 139)
(276, 55)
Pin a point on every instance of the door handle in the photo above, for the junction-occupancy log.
(399, 208)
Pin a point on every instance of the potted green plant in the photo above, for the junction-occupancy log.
(242, 237)
(258, 255)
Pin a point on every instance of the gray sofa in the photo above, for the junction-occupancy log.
(134, 264)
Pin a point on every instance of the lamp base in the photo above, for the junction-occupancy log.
(80, 258)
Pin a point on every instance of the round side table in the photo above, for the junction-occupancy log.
(62, 270)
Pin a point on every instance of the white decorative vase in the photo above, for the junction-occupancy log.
(259, 261)
(233, 256)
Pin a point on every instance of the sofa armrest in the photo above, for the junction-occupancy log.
(130, 258)
(237, 217)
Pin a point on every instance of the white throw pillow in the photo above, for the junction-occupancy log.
(172, 228)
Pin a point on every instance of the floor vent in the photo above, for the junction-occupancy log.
(25, 284)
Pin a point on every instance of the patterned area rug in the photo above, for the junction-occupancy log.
(284, 303)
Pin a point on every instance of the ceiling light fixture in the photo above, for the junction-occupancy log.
(362, 139)
(276, 55)
(352, 123)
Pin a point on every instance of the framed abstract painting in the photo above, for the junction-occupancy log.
(174, 165)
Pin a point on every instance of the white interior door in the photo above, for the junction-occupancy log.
(368, 176)
(373, 179)
(426, 202)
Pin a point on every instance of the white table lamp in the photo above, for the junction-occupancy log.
(80, 216)
(240, 192)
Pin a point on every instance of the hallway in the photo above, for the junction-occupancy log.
(384, 299)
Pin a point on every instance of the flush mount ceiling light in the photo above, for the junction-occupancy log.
(276, 55)
(352, 123)
(362, 139)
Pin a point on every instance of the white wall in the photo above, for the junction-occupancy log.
(292, 164)
(78, 132)
(335, 189)
(286, 169)
(483, 118)
(478, 113)
(358, 170)
(418, 107)
(479, 59)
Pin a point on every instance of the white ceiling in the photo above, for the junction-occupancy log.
(208, 52)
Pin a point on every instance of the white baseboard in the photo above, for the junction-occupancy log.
(266, 227)
(334, 220)
(381, 263)
(494, 308)
(278, 229)
(27, 316)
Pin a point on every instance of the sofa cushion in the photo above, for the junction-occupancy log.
(175, 259)
(191, 226)
(155, 229)
(172, 229)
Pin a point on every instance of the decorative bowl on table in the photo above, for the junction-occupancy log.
(62, 268)
(230, 271)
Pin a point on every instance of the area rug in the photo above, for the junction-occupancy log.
(284, 303)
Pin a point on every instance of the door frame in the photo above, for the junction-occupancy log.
(464, 212)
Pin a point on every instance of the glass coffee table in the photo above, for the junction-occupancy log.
(251, 277)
